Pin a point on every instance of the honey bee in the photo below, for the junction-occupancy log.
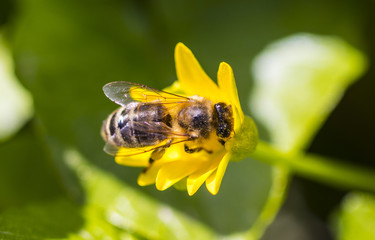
(151, 120)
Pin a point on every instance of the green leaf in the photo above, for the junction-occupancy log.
(298, 82)
(132, 210)
(356, 218)
(50, 219)
(97, 227)
(57, 219)
(33, 203)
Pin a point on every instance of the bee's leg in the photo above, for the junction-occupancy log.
(193, 150)
(168, 144)
(159, 152)
(222, 141)
(156, 154)
(189, 150)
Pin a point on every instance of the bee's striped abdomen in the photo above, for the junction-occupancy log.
(138, 125)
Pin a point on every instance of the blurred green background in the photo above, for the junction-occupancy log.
(64, 51)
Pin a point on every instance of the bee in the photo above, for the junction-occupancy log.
(151, 120)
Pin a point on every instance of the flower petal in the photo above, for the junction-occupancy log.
(227, 85)
(172, 172)
(214, 180)
(139, 160)
(148, 176)
(193, 80)
(195, 181)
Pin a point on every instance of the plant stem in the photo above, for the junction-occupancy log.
(319, 168)
(275, 199)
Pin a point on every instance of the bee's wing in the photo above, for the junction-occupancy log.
(111, 148)
(123, 93)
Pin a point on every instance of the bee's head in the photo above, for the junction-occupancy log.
(224, 115)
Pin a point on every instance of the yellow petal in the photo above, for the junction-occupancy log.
(148, 176)
(173, 172)
(227, 85)
(214, 180)
(134, 157)
(176, 89)
(139, 160)
(193, 80)
(195, 181)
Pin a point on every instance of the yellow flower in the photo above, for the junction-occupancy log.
(176, 165)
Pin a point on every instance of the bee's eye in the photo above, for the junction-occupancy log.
(224, 120)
